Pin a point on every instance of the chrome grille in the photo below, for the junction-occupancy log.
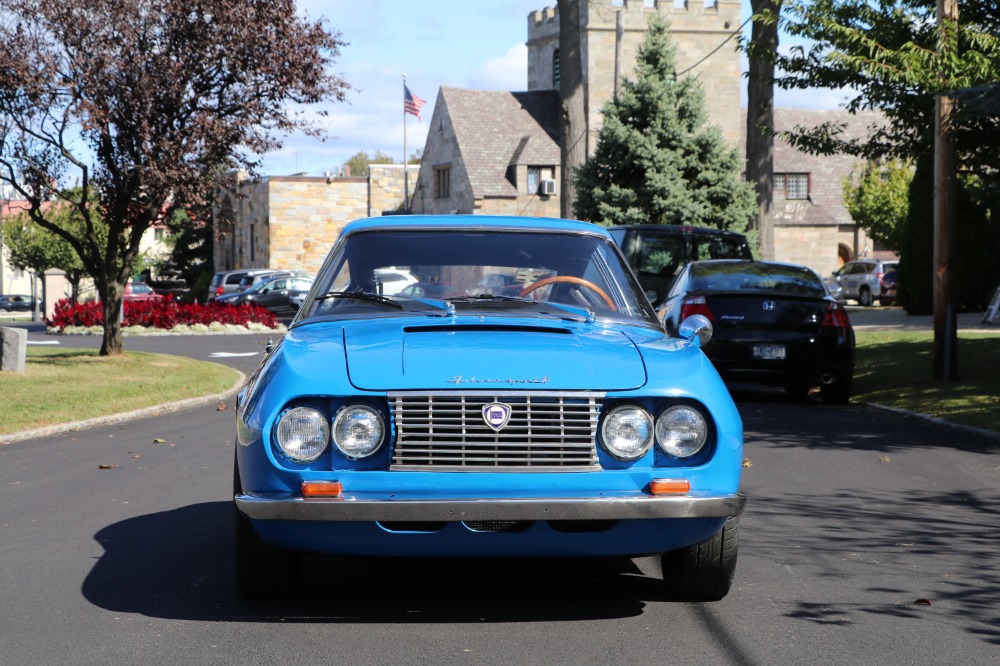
(445, 430)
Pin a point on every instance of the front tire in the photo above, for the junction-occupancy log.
(262, 570)
(704, 571)
(865, 297)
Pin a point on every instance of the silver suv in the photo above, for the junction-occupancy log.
(859, 280)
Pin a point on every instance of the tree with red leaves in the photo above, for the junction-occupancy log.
(127, 109)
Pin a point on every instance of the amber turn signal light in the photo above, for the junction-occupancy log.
(322, 489)
(669, 486)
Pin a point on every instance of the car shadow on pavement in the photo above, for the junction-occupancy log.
(178, 564)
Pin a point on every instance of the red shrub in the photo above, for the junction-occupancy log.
(161, 314)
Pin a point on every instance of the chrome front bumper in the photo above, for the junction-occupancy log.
(358, 508)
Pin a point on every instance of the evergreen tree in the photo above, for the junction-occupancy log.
(657, 162)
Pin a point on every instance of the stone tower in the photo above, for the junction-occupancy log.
(704, 38)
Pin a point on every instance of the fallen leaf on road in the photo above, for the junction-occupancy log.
(136, 455)
(922, 602)
(159, 441)
(223, 406)
(747, 463)
(107, 467)
(885, 459)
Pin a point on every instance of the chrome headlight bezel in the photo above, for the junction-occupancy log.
(302, 434)
(627, 432)
(682, 431)
(344, 433)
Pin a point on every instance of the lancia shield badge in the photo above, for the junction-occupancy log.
(496, 415)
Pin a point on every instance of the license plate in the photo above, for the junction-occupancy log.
(769, 351)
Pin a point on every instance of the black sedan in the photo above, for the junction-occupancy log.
(774, 324)
(17, 303)
(274, 294)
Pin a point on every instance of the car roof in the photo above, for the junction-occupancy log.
(475, 223)
(678, 229)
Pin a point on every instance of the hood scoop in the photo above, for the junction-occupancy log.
(386, 355)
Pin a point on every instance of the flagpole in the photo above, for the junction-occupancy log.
(406, 172)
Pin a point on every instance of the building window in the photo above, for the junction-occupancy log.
(791, 185)
(253, 245)
(442, 182)
(158, 234)
(555, 69)
(534, 179)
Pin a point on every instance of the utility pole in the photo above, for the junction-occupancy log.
(945, 320)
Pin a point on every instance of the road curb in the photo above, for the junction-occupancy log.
(110, 419)
(982, 432)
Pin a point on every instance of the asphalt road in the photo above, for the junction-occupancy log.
(869, 538)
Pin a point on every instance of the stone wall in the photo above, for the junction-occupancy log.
(287, 222)
(386, 187)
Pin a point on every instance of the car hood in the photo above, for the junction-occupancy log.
(482, 353)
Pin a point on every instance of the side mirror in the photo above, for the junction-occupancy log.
(696, 326)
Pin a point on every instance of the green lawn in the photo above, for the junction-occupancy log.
(64, 385)
(896, 369)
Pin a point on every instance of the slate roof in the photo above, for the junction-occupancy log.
(499, 129)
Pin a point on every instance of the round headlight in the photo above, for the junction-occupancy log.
(303, 434)
(358, 431)
(627, 432)
(681, 431)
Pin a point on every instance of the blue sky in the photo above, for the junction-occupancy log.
(465, 43)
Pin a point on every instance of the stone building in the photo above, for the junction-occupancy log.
(812, 226)
(290, 222)
(698, 28)
(491, 152)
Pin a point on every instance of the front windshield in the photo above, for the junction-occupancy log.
(513, 271)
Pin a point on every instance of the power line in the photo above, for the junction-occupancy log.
(713, 51)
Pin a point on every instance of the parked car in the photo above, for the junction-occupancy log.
(859, 280)
(248, 281)
(18, 303)
(888, 286)
(393, 280)
(774, 324)
(226, 282)
(658, 252)
(274, 294)
(558, 422)
(139, 291)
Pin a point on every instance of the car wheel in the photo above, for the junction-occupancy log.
(261, 569)
(704, 571)
(4, 310)
(865, 296)
(838, 392)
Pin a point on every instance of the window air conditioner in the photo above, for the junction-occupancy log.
(548, 187)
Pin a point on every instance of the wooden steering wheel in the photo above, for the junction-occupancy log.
(573, 280)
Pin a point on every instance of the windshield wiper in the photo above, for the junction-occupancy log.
(479, 299)
(361, 296)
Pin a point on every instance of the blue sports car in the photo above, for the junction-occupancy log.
(553, 417)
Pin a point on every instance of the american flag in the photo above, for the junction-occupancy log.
(412, 103)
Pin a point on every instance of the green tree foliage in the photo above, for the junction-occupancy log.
(977, 239)
(892, 56)
(146, 104)
(358, 163)
(879, 201)
(657, 162)
(37, 249)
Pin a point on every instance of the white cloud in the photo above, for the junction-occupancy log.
(505, 72)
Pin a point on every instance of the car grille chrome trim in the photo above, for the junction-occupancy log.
(445, 431)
